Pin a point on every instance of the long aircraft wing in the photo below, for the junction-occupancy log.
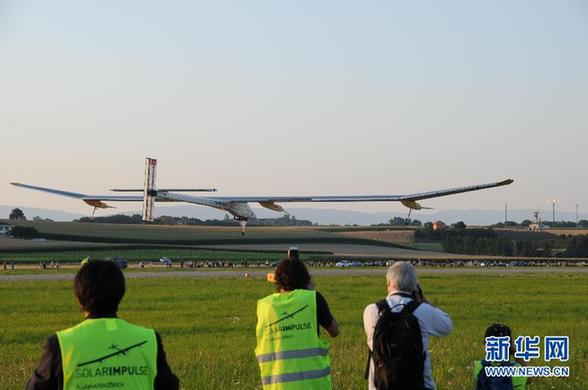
(86, 198)
(362, 198)
(335, 198)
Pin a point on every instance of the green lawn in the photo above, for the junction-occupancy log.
(163, 233)
(208, 324)
(180, 235)
(428, 246)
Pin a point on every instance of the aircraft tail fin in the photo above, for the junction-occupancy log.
(149, 191)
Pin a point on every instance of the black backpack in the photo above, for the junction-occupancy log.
(485, 382)
(399, 360)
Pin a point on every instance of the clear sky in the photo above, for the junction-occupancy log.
(297, 97)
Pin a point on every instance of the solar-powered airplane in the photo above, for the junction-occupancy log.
(238, 206)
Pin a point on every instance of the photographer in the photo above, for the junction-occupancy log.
(290, 349)
(398, 330)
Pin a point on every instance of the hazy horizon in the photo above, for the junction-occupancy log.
(322, 216)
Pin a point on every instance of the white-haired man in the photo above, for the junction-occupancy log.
(405, 303)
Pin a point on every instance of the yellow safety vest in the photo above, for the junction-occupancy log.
(108, 353)
(290, 353)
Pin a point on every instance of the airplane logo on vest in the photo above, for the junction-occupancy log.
(118, 352)
(291, 315)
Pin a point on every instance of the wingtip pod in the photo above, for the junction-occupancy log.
(15, 184)
(506, 182)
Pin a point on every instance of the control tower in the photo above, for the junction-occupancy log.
(537, 226)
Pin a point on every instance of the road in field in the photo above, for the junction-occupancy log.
(314, 272)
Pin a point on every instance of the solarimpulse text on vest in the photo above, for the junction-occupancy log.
(287, 328)
(111, 371)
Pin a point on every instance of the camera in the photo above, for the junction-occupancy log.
(293, 253)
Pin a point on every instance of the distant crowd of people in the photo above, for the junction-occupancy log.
(435, 263)
(498, 263)
(207, 264)
(384, 263)
(48, 264)
(104, 351)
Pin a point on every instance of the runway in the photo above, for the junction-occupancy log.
(314, 272)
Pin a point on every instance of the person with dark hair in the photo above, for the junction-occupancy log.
(103, 351)
(290, 350)
(484, 382)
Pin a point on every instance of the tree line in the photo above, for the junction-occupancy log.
(285, 220)
(399, 221)
(557, 224)
(459, 239)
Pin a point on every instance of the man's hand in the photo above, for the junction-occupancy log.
(333, 330)
(418, 295)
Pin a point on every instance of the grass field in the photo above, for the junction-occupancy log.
(385, 228)
(72, 241)
(170, 233)
(207, 325)
(71, 232)
(405, 237)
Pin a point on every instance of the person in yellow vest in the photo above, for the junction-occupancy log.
(290, 350)
(103, 351)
